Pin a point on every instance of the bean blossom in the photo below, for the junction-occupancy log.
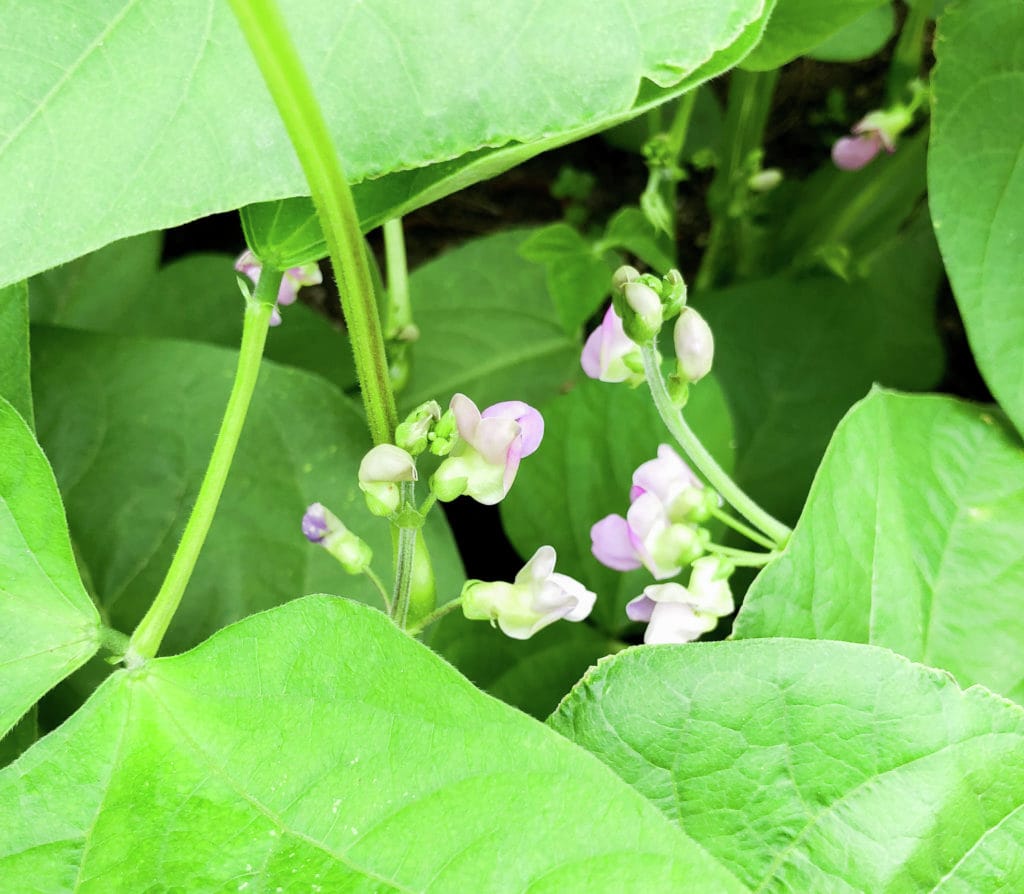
(610, 355)
(677, 614)
(293, 279)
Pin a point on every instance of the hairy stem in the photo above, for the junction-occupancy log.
(434, 616)
(146, 639)
(399, 304)
(698, 454)
(282, 69)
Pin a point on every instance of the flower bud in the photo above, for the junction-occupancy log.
(379, 475)
(765, 180)
(413, 434)
(645, 315)
(323, 527)
(674, 290)
(695, 345)
(445, 434)
(624, 275)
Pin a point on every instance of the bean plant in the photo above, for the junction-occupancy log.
(765, 631)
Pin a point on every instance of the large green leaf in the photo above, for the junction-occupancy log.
(976, 183)
(129, 425)
(806, 766)
(910, 540)
(48, 624)
(121, 289)
(863, 37)
(148, 114)
(595, 437)
(318, 747)
(15, 386)
(793, 354)
(797, 26)
(487, 326)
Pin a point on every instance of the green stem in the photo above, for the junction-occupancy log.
(681, 125)
(428, 504)
(743, 557)
(741, 528)
(379, 584)
(434, 617)
(148, 635)
(746, 116)
(399, 304)
(909, 51)
(275, 54)
(717, 477)
(404, 561)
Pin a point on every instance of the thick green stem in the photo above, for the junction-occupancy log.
(148, 635)
(906, 58)
(750, 100)
(405, 559)
(698, 454)
(286, 79)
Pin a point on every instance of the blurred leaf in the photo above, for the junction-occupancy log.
(976, 181)
(860, 39)
(487, 327)
(794, 354)
(129, 424)
(630, 231)
(392, 782)
(15, 385)
(906, 542)
(799, 26)
(594, 438)
(577, 272)
(48, 624)
(810, 766)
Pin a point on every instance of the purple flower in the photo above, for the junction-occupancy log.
(677, 614)
(854, 153)
(873, 133)
(610, 355)
(484, 462)
(647, 537)
(323, 527)
(671, 480)
(537, 598)
(293, 279)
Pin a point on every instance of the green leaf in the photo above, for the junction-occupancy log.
(631, 231)
(144, 86)
(798, 26)
(794, 354)
(284, 234)
(976, 184)
(487, 327)
(404, 777)
(533, 675)
(807, 766)
(129, 425)
(48, 624)
(594, 439)
(15, 386)
(579, 276)
(860, 39)
(908, 542)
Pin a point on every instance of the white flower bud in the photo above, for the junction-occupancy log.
(379, 475)
(695, 345)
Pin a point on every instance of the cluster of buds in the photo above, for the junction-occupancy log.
(538, 597)
(293, 279)
(662, 529)
(641, 303)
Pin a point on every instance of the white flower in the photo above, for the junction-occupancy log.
(678, 614)
(538, 597)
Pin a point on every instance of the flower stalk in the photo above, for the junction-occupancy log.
(146, 639)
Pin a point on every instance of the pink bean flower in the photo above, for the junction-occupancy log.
(294, 278)
(677, 614)
(609, 354)
(491, 445)
(873, 133)
(646, 537)
(671, 480)
(538, 597)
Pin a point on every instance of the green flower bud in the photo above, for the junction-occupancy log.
(445, 435)
(413, 434)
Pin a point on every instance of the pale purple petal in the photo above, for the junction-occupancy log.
(635, 491)
(275, 317)
(494, 438)
(288, 291)
(314, 523)
(607, 345)
(248, 264)
(467, 416)
(665, 476)
(590, 359)
(512, 458)
(853, 153)
(640, 609)
(611, 544)
(530, 421)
